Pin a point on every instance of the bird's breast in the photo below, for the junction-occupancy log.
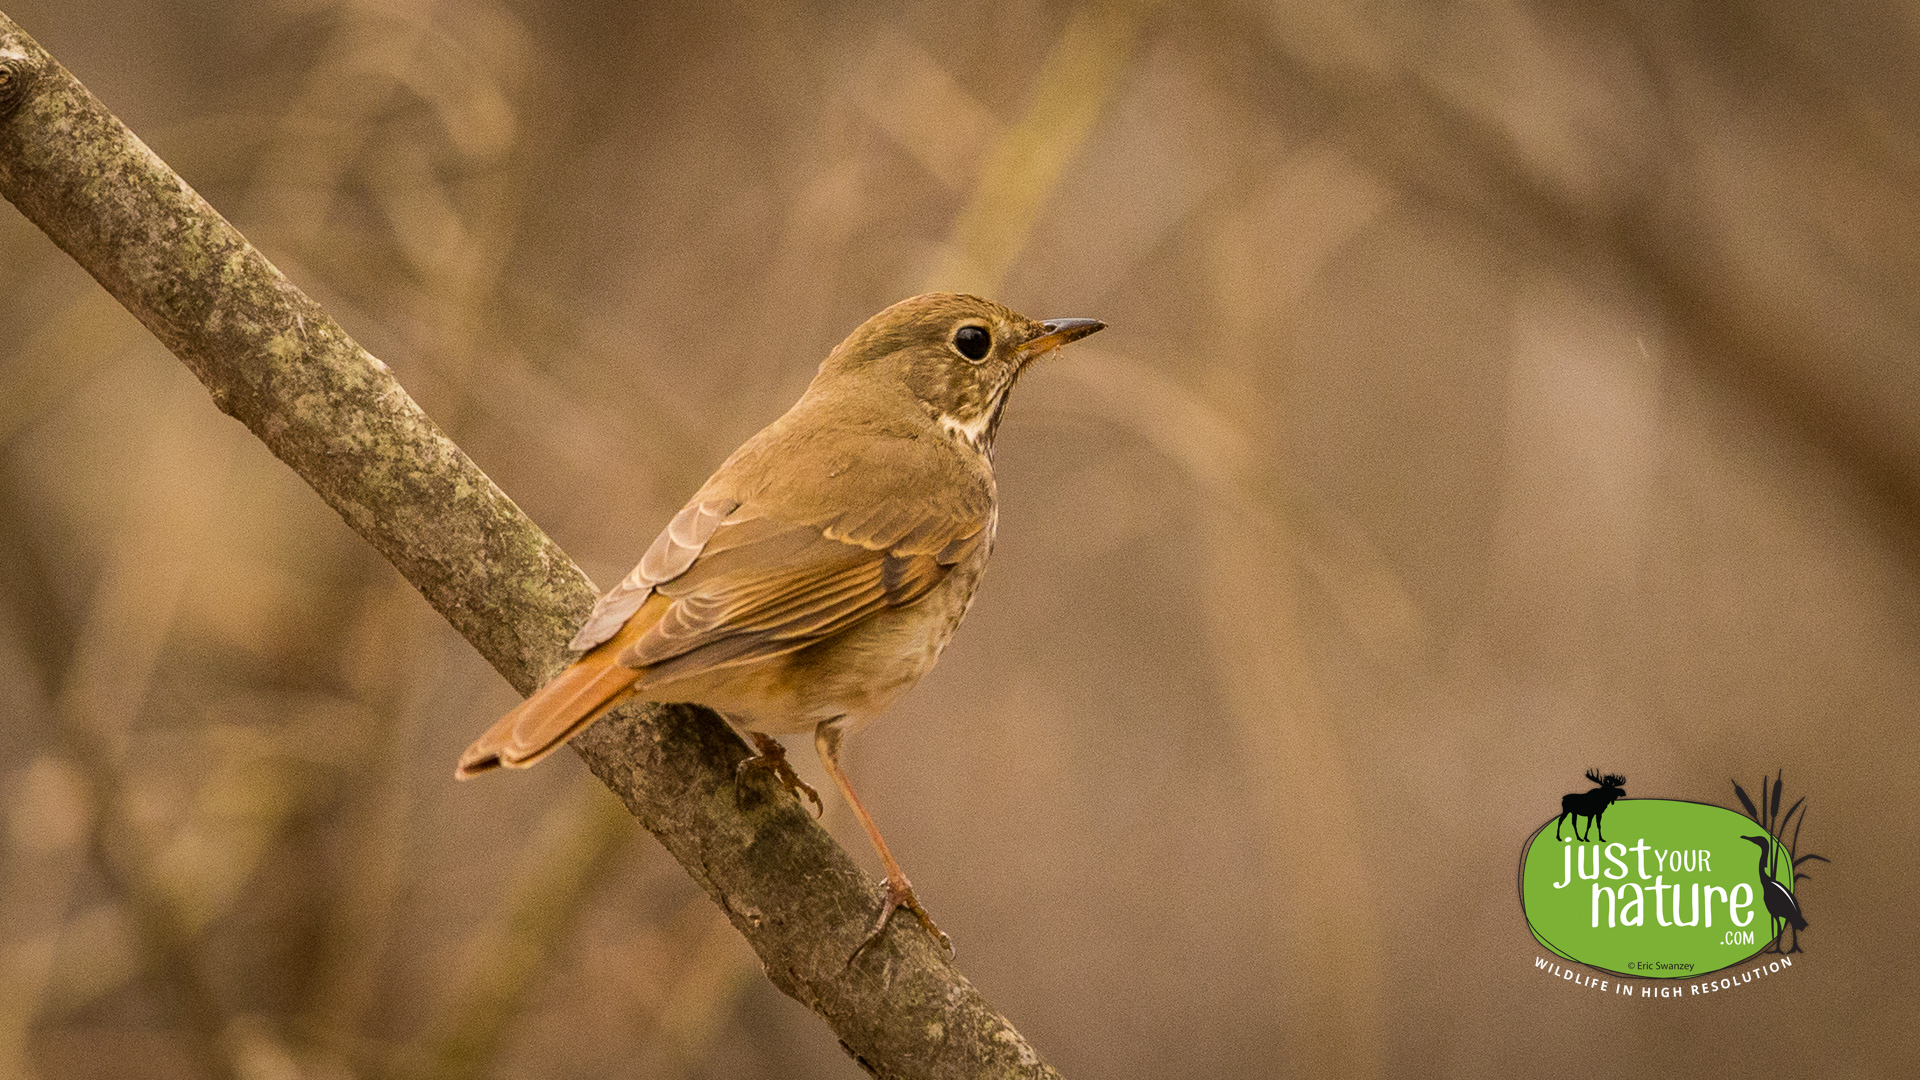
(857, 673)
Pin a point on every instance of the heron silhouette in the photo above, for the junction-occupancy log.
(1780, 902)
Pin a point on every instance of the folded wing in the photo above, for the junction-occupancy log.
(726, 584)
(764, 587)
(672, 552)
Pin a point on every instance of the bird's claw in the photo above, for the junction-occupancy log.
(898, 893)
(773, 758)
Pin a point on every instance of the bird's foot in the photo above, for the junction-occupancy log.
(772, 757)
(899, 894)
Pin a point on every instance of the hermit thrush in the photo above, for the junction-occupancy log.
(819, 573)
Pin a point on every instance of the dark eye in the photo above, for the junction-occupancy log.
(973, 342)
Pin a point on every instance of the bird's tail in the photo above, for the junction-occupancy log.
(559, 710)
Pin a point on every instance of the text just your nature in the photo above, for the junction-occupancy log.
(1626, 903)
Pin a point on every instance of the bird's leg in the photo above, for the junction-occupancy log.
(899, 891)
(771, 756)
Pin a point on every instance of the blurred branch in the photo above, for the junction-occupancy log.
(273, 359)
(41, 855)
(166, 938)
(574, 848)
(45, 632)
(71, 345)
(710, 978)
(105, 665)
(1078, 79)
(1305, 783)
(360, 897)
(1398, 118)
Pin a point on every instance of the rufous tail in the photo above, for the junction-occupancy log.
(559, 710)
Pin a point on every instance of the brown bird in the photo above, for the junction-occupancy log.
(819, 573)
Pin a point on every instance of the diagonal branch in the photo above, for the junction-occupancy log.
(275, 361)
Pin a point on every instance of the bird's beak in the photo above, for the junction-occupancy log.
(1057, 332)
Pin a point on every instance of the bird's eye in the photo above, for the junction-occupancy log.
(973, 342)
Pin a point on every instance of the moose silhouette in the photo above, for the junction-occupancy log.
(1590, 804)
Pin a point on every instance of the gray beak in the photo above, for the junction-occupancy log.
(1057, 332)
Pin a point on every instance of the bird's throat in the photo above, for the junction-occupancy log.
(976, 431)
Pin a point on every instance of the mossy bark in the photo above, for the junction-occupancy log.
(275, 361)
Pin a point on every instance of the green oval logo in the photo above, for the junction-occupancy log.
(1676, 889)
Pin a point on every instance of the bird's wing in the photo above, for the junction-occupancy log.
(763, 586)
(675, 549)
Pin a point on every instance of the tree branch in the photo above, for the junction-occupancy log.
(276, 362)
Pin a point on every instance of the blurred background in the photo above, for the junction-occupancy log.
(1494, 390)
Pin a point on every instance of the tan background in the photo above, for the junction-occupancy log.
(1494, 390)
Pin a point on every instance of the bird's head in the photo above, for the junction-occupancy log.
(956, 356)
